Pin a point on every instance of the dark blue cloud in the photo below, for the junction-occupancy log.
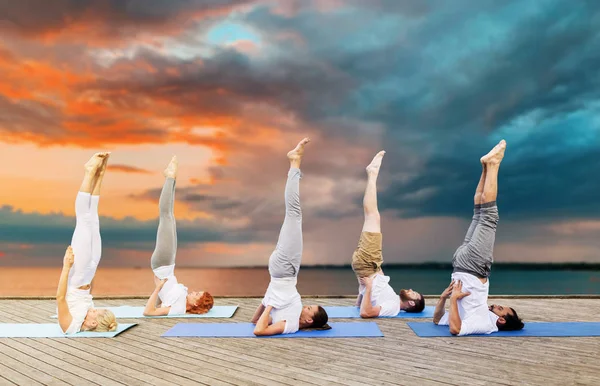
(451, 80)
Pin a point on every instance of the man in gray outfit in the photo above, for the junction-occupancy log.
(468, 292)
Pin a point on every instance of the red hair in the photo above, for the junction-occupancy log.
(203, 305)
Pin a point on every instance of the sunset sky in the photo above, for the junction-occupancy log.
(231, 86)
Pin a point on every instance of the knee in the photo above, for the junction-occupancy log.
(487, 197)
(490, 217)
(483, 197)
(294, 211)
(84, 217)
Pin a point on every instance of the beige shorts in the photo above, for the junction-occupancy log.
(367, 258)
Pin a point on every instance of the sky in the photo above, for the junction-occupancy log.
(230, 86)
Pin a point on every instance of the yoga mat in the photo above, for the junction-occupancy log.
(427, 330)
(138, 312)
(52, 330)
(246, 330)
(354, 312)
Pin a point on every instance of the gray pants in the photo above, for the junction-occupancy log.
(287, 256)
(166, 237)
(475, 255)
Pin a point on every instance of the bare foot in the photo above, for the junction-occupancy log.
(298, 151)
(171, 170)
(374, 166)
(95, 162)
(494, 157)
(102, 168)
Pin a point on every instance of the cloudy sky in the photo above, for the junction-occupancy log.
(230, 86)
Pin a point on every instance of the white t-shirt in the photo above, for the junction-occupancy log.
(382, 294)
(79, 302)
(283, 296)
(475, 316)
(172, 294)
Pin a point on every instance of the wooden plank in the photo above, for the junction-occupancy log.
(399, 358)
(159, 364)
(246, 357)
(75, 374)
(73, 358)
(185, 346)
(191, 358)
(10, 376)
(30, 372)
(31, 361)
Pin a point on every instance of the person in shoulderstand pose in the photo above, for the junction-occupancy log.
(375, 295)
(169, 296)
(74, 303)
(468, 292)
(281, 310)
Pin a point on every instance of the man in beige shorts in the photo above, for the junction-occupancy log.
(375, 295)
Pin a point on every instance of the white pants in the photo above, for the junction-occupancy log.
(86, 242)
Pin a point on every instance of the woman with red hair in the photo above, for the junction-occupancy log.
(169, 296)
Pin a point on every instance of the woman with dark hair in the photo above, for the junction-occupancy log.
(169, 296)
(281, 310)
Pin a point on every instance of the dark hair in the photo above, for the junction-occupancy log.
(320, 319)
(203, 305)
(419, 305)
(512, 322)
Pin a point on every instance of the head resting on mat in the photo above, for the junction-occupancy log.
(508, 320)
(411, 301)
(199, 302)
(314, 316)
(99, 320)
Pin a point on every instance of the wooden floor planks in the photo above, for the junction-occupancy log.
(140, 356)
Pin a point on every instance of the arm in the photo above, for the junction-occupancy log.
(64, 315)
(259, 311)
(454, 319)
(359, 299)
(441, 304)
(366, 308)
(262, 326)
(151, 309)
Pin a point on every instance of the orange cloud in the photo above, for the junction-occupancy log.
(128, 169)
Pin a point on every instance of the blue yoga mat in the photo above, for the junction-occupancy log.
(354, 312)
(52, 330)
(246, 330)
(427, 330)
(138, 312)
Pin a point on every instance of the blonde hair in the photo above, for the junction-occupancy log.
(106, 321)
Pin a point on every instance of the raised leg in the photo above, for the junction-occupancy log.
(372, 221)
(368, 257)
(477, 204)
(286, 258)
(166, 236)
(95, 219)
(82, 273)
(477, 255)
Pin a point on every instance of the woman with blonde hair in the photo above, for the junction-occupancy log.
(169, 296)
(76, 310)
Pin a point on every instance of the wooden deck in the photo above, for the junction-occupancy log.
(140, 356)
